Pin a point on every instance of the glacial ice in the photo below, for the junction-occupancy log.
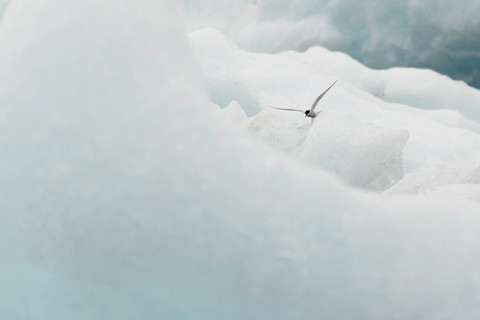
(439, 35)
(362, 155)
(126, 194)
(294, 80)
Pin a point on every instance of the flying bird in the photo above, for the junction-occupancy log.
(310, 112)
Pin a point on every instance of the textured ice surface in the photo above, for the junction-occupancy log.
(362, 155)
(126, 195)
(294, 80)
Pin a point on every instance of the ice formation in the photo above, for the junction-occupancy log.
(436, 137)
(363, 155)
(440, 35)
(126, 194)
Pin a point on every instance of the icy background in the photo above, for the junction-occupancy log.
(143, 177)
(438, 34)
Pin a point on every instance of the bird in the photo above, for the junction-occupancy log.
(310, 112)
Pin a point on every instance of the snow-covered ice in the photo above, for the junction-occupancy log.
(143, 177)
(436, 137)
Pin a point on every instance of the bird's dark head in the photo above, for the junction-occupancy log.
(307, 112)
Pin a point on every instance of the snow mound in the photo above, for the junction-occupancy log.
(430, 90)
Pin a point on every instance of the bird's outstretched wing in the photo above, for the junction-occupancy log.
(320, 97)
(286, 109)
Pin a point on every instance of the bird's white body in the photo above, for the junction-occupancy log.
(312, 114)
